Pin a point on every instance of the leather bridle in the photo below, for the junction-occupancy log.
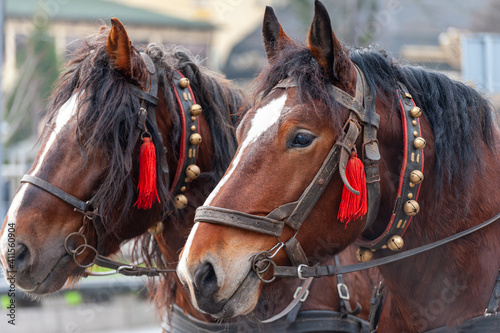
(293, 214)
(146, 124)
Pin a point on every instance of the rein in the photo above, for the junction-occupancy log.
(186, 172)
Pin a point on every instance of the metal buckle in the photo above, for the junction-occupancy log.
(297, 292)
(299, 272)
(488, 313)
(343, 291)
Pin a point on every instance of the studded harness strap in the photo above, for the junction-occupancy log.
(185, 173)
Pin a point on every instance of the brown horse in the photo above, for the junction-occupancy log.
(89, 150)
(290, 143)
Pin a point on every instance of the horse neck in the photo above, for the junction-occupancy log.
(452, 283)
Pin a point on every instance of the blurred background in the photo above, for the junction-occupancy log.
(460, 38)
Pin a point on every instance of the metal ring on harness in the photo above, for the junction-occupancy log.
(74, 252)
(260, 271)
(84, 246)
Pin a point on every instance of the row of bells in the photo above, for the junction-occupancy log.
(411, 207)
(192, 171)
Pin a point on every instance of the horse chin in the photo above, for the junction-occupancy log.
(244, 299)
(52, 279)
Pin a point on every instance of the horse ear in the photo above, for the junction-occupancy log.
(326, 48)
(275, 38)
(119, 48)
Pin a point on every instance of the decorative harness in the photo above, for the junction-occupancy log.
(186, 171)
(294, 213)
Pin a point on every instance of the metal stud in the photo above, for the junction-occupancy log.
(410, 195)
(407, 95)
(195, 139)
(193, 128)
(193, 171)
(416, 176)
(183, 189)
(419, 143)
(415, 133)
(156, 229)
(395, 243)
(184, 82)
(415, 112)
(193, 118)
(364, 254)
(411, 208)
(414, 122)
(195, 109)
(180, 201)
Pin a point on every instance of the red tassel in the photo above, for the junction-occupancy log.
(147, 175)
(353, 206)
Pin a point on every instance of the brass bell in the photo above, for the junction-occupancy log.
(415, 112)
(364, 254)
(419, 143)
(416, 176)
(195, 139)
(156, 228)
(395, 243)
(180, 201)
(195, 109)
(411, 208)
(184, 82)
(193, 171)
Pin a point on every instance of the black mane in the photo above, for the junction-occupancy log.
(461, 119)
(107, 117)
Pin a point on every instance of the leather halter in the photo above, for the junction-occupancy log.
(146, 123)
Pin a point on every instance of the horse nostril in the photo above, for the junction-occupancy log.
(206, 279)
(22, 256)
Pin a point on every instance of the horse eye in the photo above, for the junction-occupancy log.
(302, 140)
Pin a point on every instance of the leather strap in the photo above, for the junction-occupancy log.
(413, 160)
(376, 303)
(66, 197)
(240, 220)
(149, 101)
(189, 126)
(344, 297)
(299, 297)
(176, 321)
(79, 205)
(480, 324)
(491, 309)
(128, 269)
(330, 270)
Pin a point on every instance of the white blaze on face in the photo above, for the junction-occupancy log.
(65, 114)
(263, 119)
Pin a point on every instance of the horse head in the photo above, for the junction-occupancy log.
(80, 196)
(283, 140)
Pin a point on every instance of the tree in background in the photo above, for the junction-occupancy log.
(37, 71)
